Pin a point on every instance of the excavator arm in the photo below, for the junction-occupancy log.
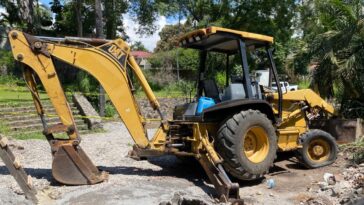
(108, 61)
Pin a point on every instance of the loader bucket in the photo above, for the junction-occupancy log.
(71, 166)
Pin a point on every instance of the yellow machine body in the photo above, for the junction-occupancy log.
(109, 63)
(294, 122)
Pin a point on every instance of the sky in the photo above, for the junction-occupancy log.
(131, 27)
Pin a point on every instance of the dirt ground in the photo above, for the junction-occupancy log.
(161, 179)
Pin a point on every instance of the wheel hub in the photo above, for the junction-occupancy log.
(256, 144)
(318, 150)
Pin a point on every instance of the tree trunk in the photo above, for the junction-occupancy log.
(100, 34)
(99, 20)
(27, 13)
(78, 8)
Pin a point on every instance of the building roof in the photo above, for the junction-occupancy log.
(141, 54)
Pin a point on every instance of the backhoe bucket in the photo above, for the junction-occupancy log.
(71, 166)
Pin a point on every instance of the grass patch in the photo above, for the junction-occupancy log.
(4, 129)
(14, 96)
(28, 136)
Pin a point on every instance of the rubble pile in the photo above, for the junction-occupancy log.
(167, 106)
(346, 188)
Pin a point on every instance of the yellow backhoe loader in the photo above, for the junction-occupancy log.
(239, 129)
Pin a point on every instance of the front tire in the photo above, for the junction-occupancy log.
(247, 142)
(319, 149)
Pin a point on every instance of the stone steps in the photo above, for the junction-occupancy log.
(28, 109)
(24, 103)
(40, 127)
(22, 119)
(39, 131)
(26, 122)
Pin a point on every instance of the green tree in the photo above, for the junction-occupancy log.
(275, 18)
(334, 39)
(138, 46)
(169, 36)
(66, 16)
(113, 17)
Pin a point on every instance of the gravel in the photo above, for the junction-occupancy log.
(167, 180)
(130, 182)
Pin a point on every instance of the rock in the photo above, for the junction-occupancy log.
(271, 195)
(323, 185)
(181, 198)
(54, 194)
(359, 191)
(344, 200)
(331, 192)
(329, 178)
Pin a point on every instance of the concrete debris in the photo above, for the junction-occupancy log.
(329, 178)
(346, 191)
(181, 198)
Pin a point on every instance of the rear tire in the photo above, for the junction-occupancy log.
(247, 142)
(319, 149)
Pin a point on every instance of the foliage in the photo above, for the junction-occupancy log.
(145, 13)
(334, 40)
(36, 20)
(8, 80)
(110, 110)
(304, 84)
(220, 79)
(156, 82)
(169, 36)
(65, 18)
(113, 19)
(12, 17)
(275, 18)
(6, 59)
(138, 46)
(86, 83)
(187, 59)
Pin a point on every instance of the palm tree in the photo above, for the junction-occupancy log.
(336, 45)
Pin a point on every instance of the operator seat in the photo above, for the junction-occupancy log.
(211, 90)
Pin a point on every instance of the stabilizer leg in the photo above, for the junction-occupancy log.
(16, 170)
(226, 190)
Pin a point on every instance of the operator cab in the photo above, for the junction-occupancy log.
(240, 90)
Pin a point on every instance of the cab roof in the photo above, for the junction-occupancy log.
(221, 39)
